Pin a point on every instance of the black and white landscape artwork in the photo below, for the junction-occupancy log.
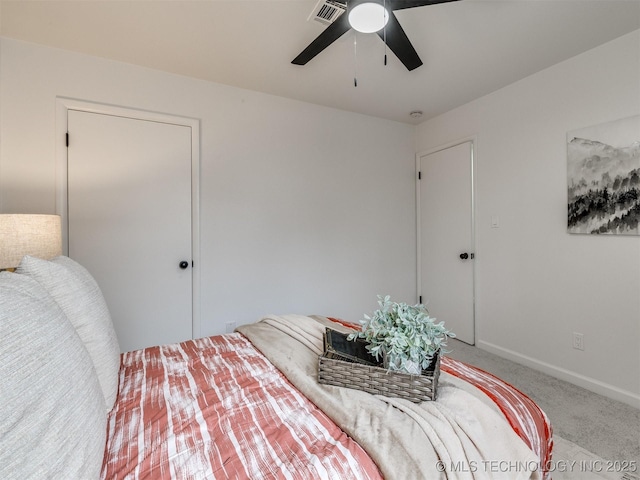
(603, 177)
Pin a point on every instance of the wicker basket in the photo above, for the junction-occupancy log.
(378, 380)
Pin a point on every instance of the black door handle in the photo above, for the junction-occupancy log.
(184, 265)
(464, 256)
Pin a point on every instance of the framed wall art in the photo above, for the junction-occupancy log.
(603, 178)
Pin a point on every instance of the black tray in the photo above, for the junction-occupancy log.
(338, 347)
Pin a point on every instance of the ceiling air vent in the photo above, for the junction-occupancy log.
(326, 11)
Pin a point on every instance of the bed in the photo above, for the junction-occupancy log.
(240, 405)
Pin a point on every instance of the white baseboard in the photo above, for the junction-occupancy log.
(587, 383)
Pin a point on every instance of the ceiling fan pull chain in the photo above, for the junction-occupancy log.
(355, 59)
(384, 33)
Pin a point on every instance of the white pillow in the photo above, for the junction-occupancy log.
(80, 298)
(52, 421)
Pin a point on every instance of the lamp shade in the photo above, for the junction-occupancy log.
(34, 235)
(368, 17)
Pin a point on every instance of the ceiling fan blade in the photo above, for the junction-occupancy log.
(402, 4)
(399, 43)
(334, 31)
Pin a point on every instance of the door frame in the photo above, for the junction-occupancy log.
(474, 142)
(63, 105)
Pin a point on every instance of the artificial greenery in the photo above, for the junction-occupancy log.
(406, 333)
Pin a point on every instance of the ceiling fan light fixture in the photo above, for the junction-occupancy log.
(368, 17)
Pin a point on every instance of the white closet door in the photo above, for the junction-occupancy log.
(129, 217)
(446, 238)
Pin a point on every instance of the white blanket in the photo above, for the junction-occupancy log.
(458, 436)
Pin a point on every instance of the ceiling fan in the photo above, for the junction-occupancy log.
(388, 29)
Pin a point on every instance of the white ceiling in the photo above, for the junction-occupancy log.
(469, 48)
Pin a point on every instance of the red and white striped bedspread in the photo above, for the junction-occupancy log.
(216, 408)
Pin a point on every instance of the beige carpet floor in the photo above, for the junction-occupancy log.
(572, 462)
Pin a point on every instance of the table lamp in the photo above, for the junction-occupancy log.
(34, 235)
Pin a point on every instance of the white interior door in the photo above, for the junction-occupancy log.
(129, 220)
(446, 238)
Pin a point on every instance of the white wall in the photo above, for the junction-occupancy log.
(304, 209)
(537, 284)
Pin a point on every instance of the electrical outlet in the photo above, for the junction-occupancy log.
(578, 341)
(229, 327)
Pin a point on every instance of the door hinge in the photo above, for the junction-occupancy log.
(67, 139)
(419, 175)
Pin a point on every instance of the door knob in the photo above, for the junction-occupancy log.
(464, 256)
(184, 264)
